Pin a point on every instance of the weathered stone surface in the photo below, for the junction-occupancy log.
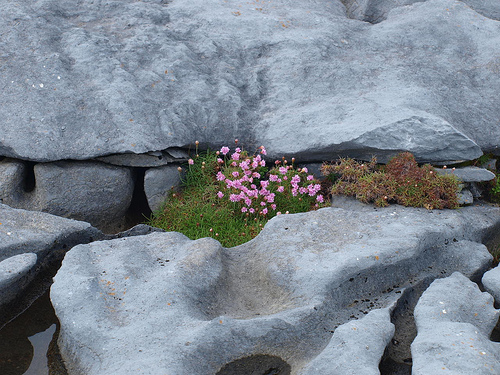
(468, 174)
(14, 271)
(38, 239)
(193, 307)
(465, 197)
(150, 159)
(100, 78)
(491, 283)
(158, 182)
(454, 321)
(12, 174)
(91, 191)
(356, 347)
(375, 11)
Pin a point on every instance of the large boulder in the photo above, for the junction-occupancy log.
(99, 78)
(163, 303)
(90, 191)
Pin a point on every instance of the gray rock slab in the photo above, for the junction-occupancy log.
(12, 271)
(375, 11)
(468, 174)
(150, 159)
(99, 78)
(31, 242)
(454, 321)
(24, 231)
(158, 182)
(491, 282)
(356, 347)
(12, 177)
(90, 191)
(193, 307)
(465, 197)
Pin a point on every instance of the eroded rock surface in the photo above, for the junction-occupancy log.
(162, 302)
(90, 191)
(454, 321)
(304, 78)
(30, 243)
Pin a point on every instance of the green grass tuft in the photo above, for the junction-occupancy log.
(197, 211)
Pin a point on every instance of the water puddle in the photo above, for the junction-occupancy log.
(28, 343)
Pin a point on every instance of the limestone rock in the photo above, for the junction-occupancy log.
(150, 159)
(14, 275)
(375, 11)
(158, 182)
(356, 347)
(193, 307)
(30, 243)
(98, 78)
(491, 282)
(454, 320)
(91, 191)
(12, 180)
(468, 174)
(465, 197)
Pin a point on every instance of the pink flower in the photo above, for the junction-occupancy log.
(280, 189)
(270, 197)
(262, 163)
(273, 206)
(256, 175)
(238, 150)
(304, 170)
(190, 161)
(264, 192)
(295, 179)
(220, 176)
(235, 174)
(264, 184)
(310, 177)
(235, 156)
(224, 150)
(273, 178)
(251, 210)
(234, 164)
(220, 161)
(234, 198)
(220, 194)
(263, 150)
(264, 211)
(320, 198)
(244, 209)
(283, 170)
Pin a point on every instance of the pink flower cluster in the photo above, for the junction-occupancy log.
(241, 177)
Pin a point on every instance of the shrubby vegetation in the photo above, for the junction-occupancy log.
(231, 194)
(401, 181)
